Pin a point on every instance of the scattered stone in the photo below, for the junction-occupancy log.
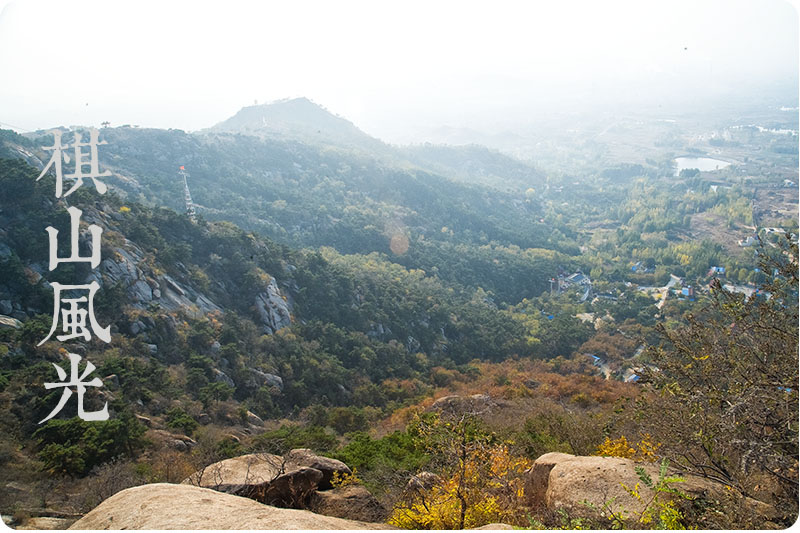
(111, 381)
(9, 322)
(204, 419)
(234, 438)
(423, 481)
(254, 419)
(144, 420)
(180, 442)
(353, 502)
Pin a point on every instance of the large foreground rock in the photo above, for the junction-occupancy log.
(166, 506)
(46, 522)
(537, 478)
(563, 481)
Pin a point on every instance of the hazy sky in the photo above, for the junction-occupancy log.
(384, 65)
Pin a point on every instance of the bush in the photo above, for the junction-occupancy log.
(286, 438)
(75, 446)
(177, 418)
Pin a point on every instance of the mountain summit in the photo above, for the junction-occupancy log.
(298, 119)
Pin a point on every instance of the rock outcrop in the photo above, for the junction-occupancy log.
(273, 308)
(456, 405)
(326, 465)
(165, 506)
(9, 322)
(287, 481)
(241, 473)
(537, 478)
(177, 441)
(562, 481)
(258, 378)
(292, 489)
(128, 267)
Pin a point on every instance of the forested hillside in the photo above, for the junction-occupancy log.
(379, 303)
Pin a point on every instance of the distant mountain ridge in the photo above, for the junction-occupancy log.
(302, 120)
(298, 119)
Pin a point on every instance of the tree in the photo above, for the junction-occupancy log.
(215, 392)
(724, 397)
(75, 446)
(480, 482)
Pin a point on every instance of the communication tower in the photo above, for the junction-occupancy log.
(187, 196)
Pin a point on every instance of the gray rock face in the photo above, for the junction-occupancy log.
(222, 377)
(262, 379)
(273, 308)
(140, 291)
(143, 286)
(9, 322)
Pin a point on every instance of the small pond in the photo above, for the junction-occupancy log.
(704, 164)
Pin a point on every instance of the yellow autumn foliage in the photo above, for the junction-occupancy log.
(644, 450)
(487, 487)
